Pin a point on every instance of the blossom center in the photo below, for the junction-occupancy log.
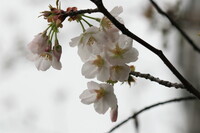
(99, 62)
(100, 93)
(118, 52)
(106, 23)
(46, 56)
(117, 69)
(91, 41)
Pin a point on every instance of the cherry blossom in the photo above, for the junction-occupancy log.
(87, 43)
(45, 60)
(41, 54)
(119, 73)
(106, 24)
(38, 44)
(102, 95)
(104, 50)
(96, 66)
(121, 51)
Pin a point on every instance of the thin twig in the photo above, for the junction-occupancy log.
(189, 87)
(152, 78)
(150, 107)
(190, 41)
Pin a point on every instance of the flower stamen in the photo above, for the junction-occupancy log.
(46, 56)
(99, 62)
(100, 93)
(118, 52)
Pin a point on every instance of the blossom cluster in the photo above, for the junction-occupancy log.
(40, 49)
(105, 54)
(42, 53)
(104, 51)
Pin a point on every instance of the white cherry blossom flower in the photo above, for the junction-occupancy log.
(102, 95)
(87, 43)
(106, 24)
(121, 51)
(105, 38)
(96, 66)
(45, 60)
(41, 53)
(38, 44)
(119, 73)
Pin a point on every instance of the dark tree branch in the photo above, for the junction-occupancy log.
(150, 107)
(158, 52)
(73, 13)
(190, 41)
(162, 82)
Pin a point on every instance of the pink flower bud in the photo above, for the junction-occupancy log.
(57, 51)
(114, 114)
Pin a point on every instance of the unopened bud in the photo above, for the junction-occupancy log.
(75, 17)
(57, 51)
(48, 47)
(114, 114)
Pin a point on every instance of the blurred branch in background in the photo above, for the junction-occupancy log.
(185, 13)
(190, 41)
(135, 115)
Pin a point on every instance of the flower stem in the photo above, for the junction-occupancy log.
(97, 19)
(82, 25)
(53, 30)
(87, 22)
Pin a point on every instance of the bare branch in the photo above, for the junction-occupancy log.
(190, 41)
(150, 107)
(162, 82)
(73, 13)
(189, 87)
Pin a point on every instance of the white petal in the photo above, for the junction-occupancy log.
(103, 74)
(108, 88)
(33, 47)
(111, 100)
(120, 20)
(100, 37)
(56, 64)
(121, 74)
(32, 57)
(87, 97)
(85, 39)
(116, 60)
(38, 44)
(75, 41)
(42, 64)
(88, 70)
(110, 97)
(101, 106)
(125, 42)
(116, 11)
(93, 85)
(131, 55)
(84, 53)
